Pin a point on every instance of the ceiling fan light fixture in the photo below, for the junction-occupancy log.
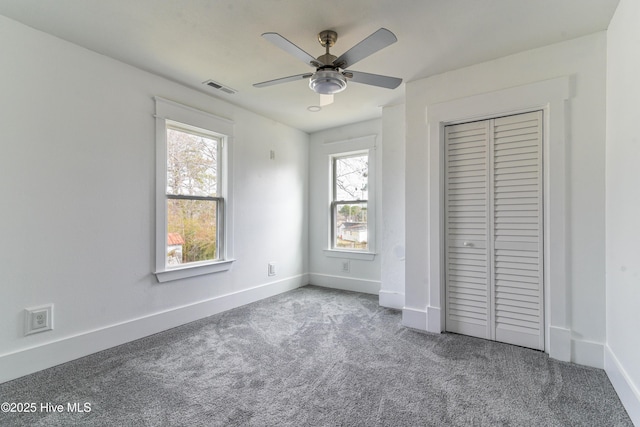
(328, 82)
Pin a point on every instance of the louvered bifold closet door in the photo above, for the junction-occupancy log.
(467, 229)
(516, 172)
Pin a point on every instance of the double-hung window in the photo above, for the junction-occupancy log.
(352, 205)
(192, 209)
(195, 207)
(349, 207)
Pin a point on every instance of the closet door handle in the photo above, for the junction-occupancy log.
(467, 244)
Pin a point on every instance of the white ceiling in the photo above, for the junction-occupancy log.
(190, 41)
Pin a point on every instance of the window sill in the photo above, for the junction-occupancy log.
(193, 270)
(336, 253)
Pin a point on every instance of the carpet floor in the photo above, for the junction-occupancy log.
(315, 357)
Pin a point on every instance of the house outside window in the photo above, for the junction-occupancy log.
(192, 191)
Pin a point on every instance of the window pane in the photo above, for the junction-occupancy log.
(351, 226)
(351, 178)
(192, 164)
(191, 231)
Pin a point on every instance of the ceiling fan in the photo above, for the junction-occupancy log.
(331, 74)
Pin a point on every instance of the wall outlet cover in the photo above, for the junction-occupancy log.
(38, 319)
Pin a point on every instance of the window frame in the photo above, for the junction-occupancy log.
(170, 114)
(333, 150)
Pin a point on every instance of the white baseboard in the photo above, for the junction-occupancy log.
(26, 361)
(428, 320)
(414, 318)
(564, 347)
(391, 299)
(628, 392)
(345, 283)
(587, 353)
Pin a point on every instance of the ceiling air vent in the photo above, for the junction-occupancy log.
(218, 86)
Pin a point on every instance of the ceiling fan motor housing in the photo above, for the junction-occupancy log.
(327, 38)
(327, 82)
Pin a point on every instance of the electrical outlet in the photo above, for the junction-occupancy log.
(38, 319)
(346, 265)
(272, 269)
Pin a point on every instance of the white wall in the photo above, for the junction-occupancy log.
(364, 275)
(622, 361)
(392, 251)
(77, 222)
(583, 61)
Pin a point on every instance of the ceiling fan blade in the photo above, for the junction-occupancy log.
(283, 80)
(376, 41)
(373, 79)
(290, 48)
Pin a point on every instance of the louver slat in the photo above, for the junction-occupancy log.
(517, 224)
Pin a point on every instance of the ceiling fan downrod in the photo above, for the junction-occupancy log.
(327, 39)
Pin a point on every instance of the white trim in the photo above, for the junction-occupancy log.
(364, 286)
(587, 353)
(172, 112)
(23, 362)
(434, 317)
(414, 318)
(337, 253)
(559, 343)
(391, 299)
(193, 270)
(627, 391)
(345, 147)
(549, 96)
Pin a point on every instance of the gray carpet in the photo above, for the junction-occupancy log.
(317, 357)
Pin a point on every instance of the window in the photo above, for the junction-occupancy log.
(349, 207)
(351, 201)
(195, 210)
(192, 209)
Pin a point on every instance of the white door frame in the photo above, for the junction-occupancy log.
(550, 97)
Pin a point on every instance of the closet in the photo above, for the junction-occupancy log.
(493, 237)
